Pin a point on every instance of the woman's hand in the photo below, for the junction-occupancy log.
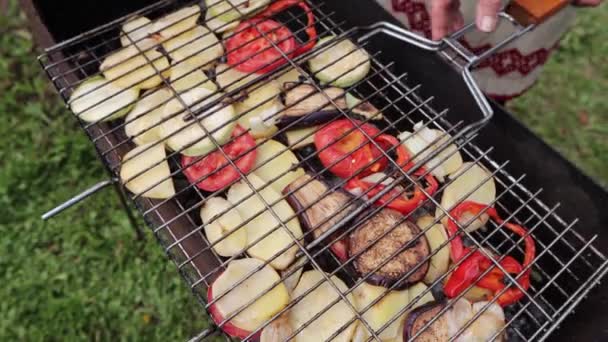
(447, 18)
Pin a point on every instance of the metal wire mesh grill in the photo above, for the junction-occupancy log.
(566, 264)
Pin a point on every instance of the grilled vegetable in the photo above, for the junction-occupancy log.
(178, 22)
(347, 155)
(475, 262)
(188, 137)
(258, 44)
(143, 122)
(99, 100)
(364, 109)
(278, 330)
(292, 280)
(134, 30)
(230, 10)
(217, 25)
(301, 137)
(288, 77)
(464, 181)
(250, 52)
(130, 67)
(305, 102)
(331, 319)
(145, 172)
(382, 312)
(254, 280)
(249, 206)
(198, 47)
(230, 79)
(422, 142)
(214, 172)
(216, 227)
(185, 76)
(341, 65)
(436, 236)
(490, 322)
(280, 161)
(324, 208)
(260, 109)
(374, 255)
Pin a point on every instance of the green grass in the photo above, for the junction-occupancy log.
(82, 276)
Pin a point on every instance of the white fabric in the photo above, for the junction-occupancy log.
(512, 70)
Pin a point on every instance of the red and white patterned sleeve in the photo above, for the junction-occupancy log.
(514, 69)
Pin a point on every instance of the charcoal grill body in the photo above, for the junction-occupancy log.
(561, 181)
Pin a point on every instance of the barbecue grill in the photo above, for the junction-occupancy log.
(411, 80)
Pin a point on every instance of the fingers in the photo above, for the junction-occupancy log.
(445, 17)
(590, 3)
(487, 14)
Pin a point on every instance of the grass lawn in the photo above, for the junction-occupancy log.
(83, 276)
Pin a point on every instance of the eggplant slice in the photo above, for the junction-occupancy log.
(377, 253)
(417, 320)
(488, 324)
(305, 101)
(322, 204)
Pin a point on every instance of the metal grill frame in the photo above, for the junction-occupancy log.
(172, 222)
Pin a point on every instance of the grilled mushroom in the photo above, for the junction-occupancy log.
(306, 102)
(489, 322)
(411, 259)
(325, 208)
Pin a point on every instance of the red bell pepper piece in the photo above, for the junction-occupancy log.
(477, 263)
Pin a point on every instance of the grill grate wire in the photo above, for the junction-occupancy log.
(566, 265)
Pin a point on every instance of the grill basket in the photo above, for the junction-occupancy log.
(566, 265)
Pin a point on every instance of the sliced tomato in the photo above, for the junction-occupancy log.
(213, 172)
(250, 51)
(259, 43)
(351, 153)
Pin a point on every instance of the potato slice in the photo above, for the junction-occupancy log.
(185, 76)
(382, 312)
(135, 66)
(257, 282)
(281, 160)
(143, 122)
(134, 30)
(188, 137)
(218, 227)
(464, 181)
(198, 46)
(145, 172)
(436, 236)
(178, 22)
(279, 239)
(96, 99)
(332, 319)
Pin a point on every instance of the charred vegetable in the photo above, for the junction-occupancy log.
(363, 108)
(409, 261)
(446, 324)
(305, 101)
(324, 208)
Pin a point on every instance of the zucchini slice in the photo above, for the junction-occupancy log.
(217, 25)
(231, 10)
(177, 22)
(230, 79)
(185, 77)
(188, 137)
(340, 65)
(96, 99)
(198, 47)
(129, 67)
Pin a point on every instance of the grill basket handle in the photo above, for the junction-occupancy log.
(524, 15)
